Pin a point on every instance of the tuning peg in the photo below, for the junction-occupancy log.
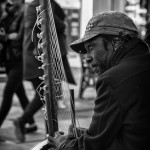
(43, 77)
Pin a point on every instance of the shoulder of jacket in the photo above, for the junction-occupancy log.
(127, 69)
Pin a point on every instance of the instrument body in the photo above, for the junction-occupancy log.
(56, 86)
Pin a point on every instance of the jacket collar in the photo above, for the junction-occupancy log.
(135, 47)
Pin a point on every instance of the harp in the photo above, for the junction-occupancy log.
(54, 82)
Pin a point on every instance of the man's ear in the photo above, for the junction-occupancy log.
(115, 43)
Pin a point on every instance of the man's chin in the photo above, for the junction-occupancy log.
(96, 70)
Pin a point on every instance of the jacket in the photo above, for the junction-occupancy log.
(13, 22)
(121, 119)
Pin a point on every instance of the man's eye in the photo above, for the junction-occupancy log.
(90, 49)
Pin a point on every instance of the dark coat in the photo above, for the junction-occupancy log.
(13, 23)
(30, 63)
(121, 119)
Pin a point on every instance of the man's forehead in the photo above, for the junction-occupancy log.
(90, 41)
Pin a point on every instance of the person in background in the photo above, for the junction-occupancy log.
(31, 64)
(121, 118)
(11, 38)
(2, 33)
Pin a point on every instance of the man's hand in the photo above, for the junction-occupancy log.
(75, 132)
(58, 139)
(12, 36)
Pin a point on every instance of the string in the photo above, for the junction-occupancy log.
(38, 20)
(59, 80)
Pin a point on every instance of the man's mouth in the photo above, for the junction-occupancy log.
(95, 67)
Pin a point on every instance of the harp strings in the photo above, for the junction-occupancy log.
(60, 86)
(57, 52)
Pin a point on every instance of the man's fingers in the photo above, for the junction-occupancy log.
(58, 133)
(70, 130)
(53, 141)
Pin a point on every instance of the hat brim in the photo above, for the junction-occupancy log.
(78, 45)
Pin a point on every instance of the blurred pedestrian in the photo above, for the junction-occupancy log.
(31, 65)
(2, 32)
(11, 38)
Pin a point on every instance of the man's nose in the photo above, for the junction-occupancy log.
(88, 58)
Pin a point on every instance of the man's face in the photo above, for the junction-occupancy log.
(98, 55)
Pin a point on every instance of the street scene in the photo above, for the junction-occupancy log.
(71, 65)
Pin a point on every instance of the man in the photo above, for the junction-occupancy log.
(121, 119)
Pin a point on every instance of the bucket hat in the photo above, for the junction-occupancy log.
(111, 23)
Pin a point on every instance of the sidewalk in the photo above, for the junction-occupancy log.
(84, 111)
